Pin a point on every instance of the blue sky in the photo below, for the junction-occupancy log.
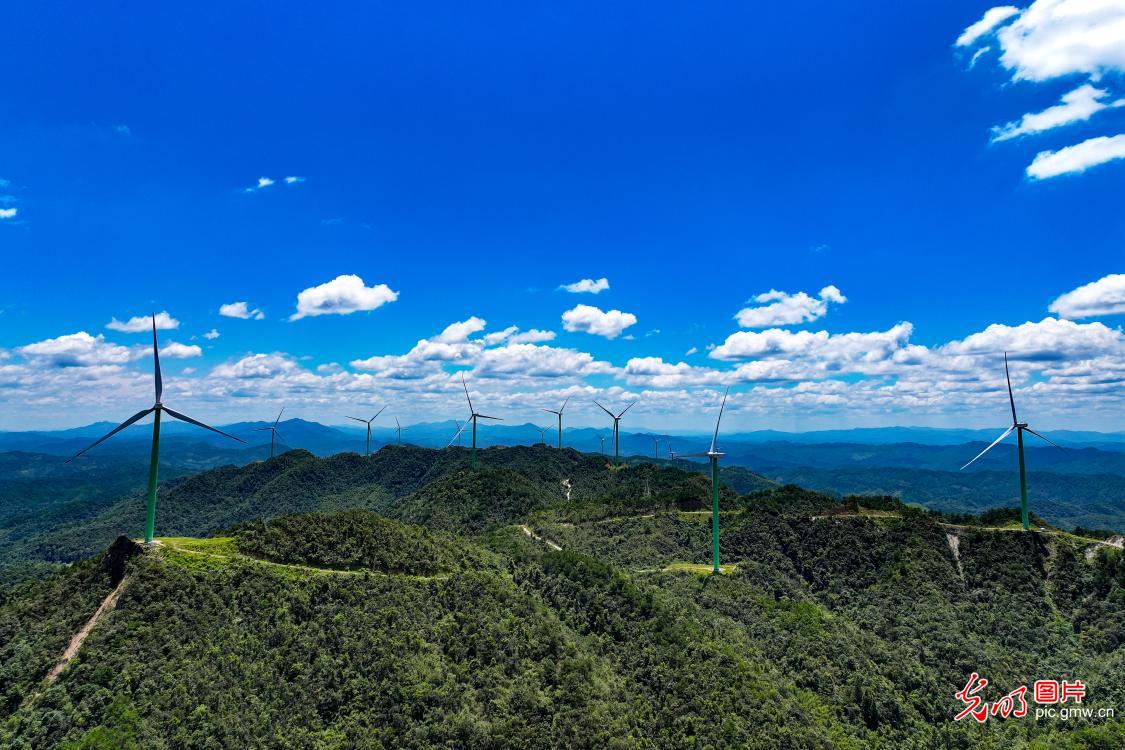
(474, 159)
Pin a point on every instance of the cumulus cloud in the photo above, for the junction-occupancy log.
(240, 310)
(1049, 339)
(1077, 106)
(781, 308)
(588, 286)
(342, 296)
(841, 353)
(77, 350)
(1106, 296)
(174, 350)
(211, 335)
(1051, 39)
(1077, 158)
(992, 18)
(532, 361)
(460, 331)
(8, 213)
(263, 182)
(1054, 38)
(590, 319)
(143, 323)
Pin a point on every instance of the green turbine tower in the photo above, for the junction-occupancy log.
(274, 432)
(714, 456)
(473, 415)
(156, 409)
(1020, 428)
(368, 423)
(616, 431)
(559, 413)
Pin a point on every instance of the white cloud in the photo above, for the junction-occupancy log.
(978, 55)
(240, 310)
(589, 319)
(841, 352)
(211, 335)
(342, 296)
(1059, 38)
(8, 213)
(1077, 158)
(1077, 105)
(77, 350)
(1106, 296)
(691, 351)
(257, 366)
(459, 332)
(263, 182)
(1054, 38)
(589, 286)
(532, 336)
(1049, 339)
(992, 18)
(293, 180)
(143, 323)
(174, 350)
(531, 361)
(788, 309)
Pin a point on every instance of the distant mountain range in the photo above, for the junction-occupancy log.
(908, 447)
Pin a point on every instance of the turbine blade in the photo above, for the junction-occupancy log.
(720, 419)
(550, 411)
(378, 413)
(485, 416)
(279, 416)
(627, 408)
(397, 425)
(1044, 437)
(197, 423)
(466, 386)
(607, 411)
(358, 419)
(692, 455)
(563, 407)
(1011, 398)
(259, 429)
(994, 442)
(135, 418)
(156, 361)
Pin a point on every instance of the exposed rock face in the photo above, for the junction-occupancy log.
(114, 559)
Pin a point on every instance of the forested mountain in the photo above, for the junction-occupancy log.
(515, 617)
(401, 481)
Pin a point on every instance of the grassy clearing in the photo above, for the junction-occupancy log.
(217, 552)
(702, 569)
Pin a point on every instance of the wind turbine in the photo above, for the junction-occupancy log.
(560, 413)
(155, 410)
(671, 453)
(473, 415)
(1020, 428)
(616, 433)
(273, 430)
(601, 439)
(542, 433)
(368, 423)
(399, 428)
(714, 455)
(656, 447)
(457, 435)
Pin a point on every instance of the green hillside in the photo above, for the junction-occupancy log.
(406, 601)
